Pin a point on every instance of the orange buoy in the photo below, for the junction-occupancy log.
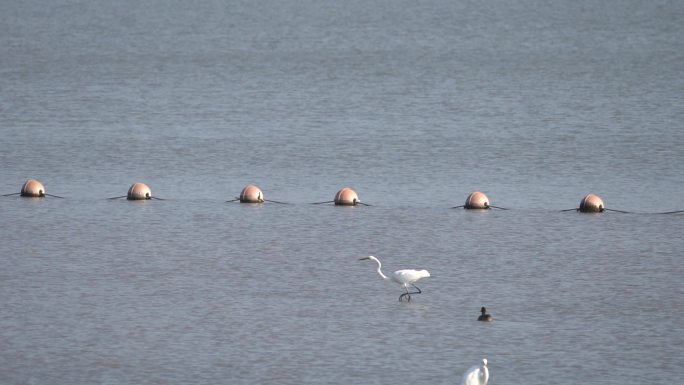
(591, 204)
(251, 194)
(346, 197)
(32, 188)
(139, 191)
(476, 200)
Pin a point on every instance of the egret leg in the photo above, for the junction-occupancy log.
(413, 292)
(407, 295)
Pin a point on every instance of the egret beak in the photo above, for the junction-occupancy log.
(361, 259)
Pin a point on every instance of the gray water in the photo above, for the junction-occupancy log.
(414, 104)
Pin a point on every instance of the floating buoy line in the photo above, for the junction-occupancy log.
(345, 197)
(33, 189)
(591, 203)
(478, 201)
(138, 192)
(253, 194)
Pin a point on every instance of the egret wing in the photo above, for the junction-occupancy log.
(473, 376)
(409, 275)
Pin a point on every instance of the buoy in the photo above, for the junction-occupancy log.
(139, 191)
(591, 204)
(346, 197)
(476, 200)
(251, 194)
(32, 188)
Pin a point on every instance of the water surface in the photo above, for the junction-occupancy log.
(412, 104)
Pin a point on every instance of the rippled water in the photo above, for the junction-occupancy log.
(412, 104)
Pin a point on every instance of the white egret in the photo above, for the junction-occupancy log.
(404, 278)
(477, 375)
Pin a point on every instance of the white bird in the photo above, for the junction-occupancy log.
(477, 375)
(404, 278)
